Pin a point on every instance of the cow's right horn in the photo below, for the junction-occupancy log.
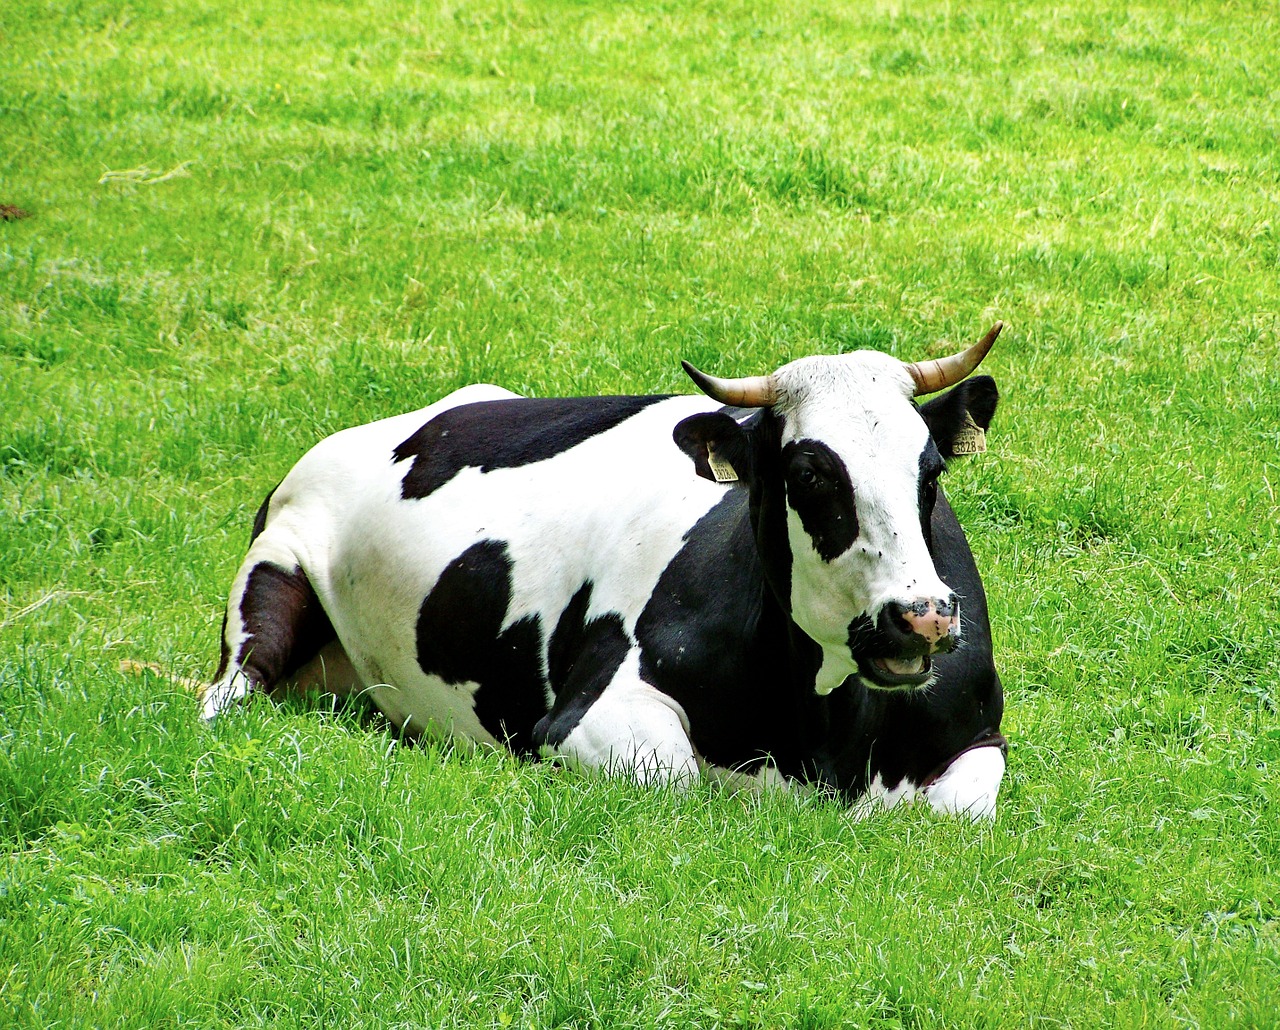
(749, 392)
(938, 374)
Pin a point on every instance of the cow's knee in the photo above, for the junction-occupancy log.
(969, 785)
(633, 731)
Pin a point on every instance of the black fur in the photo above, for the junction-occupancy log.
(460, 639)
(947, 414)
(583, 657)
(508, 433)
(820, 491)
(285, 623)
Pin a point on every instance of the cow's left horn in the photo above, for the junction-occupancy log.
(935, 375)
(750, 392)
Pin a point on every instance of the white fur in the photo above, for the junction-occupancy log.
(634, 730)
(372, 556)
(970, 784)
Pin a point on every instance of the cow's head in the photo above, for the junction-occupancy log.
(843, 469)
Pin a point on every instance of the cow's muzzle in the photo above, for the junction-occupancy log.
(909, 633)
(924, 626)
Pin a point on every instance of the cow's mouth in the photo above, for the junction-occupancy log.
(896, 672)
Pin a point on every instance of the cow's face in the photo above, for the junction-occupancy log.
(844, 469)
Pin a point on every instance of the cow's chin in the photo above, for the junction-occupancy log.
(896, 673)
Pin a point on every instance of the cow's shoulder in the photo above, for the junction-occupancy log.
(711, 638)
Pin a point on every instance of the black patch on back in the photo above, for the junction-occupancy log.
(583, 657)
(820, 491)
(460, 639)
(506, 434)
(285, 623)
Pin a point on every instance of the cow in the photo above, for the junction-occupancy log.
(761, 583)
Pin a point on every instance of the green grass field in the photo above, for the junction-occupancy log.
(252, 225)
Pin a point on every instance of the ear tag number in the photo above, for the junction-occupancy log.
(972, 438)
(720, 468)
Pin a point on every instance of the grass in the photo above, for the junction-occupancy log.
(251, 227)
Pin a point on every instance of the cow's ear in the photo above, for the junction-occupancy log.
(959, 419)
(717, 444)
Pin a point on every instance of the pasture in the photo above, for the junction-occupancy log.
(249, 226)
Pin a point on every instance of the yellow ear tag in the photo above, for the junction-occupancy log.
(720, 468)
(972, 438)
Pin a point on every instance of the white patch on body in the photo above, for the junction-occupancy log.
(635, 730)
(372, 556)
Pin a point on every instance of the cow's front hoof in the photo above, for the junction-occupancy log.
(970, 784)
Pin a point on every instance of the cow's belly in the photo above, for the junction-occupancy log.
(431, 707)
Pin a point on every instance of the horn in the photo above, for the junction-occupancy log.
(751, 392)
(932, 376)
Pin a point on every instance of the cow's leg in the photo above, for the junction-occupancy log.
(630, 729)
(969, 785)
(274, 626)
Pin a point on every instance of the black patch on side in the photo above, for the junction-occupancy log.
(912, 734)
(460, 639)
(260, 520)
(285, 623)
(506, 434)
(712, 639)
(948, 414)
(583, 657)
(820, 491)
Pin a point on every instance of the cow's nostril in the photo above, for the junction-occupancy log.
(925, 625)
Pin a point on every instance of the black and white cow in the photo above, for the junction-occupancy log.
(766, 585)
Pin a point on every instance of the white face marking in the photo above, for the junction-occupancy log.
(858, 405)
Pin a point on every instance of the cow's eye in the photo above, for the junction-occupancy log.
(807, 476)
